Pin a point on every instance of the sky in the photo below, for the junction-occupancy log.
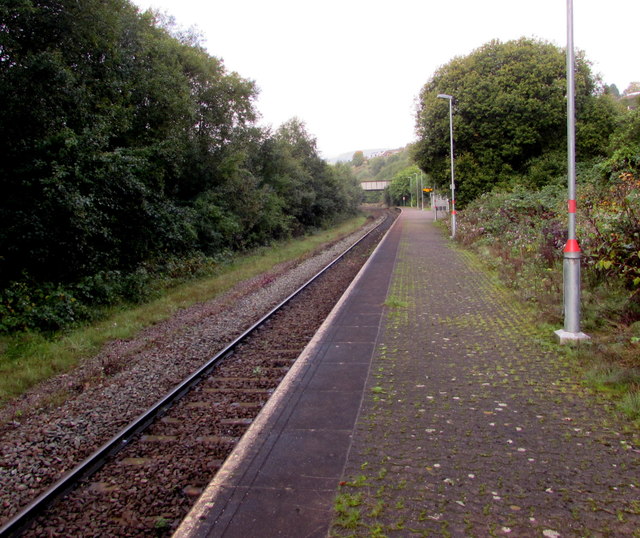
(352, 70)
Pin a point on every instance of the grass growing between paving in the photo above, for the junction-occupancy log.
(520, 235)
(448, 449)
(29, 358)
(608, 363)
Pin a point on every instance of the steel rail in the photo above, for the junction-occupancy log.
(20, 522)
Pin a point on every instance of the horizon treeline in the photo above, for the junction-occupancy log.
(127, 146)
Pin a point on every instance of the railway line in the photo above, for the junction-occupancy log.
(145, 479)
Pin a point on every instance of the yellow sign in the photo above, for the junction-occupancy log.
(427, 190)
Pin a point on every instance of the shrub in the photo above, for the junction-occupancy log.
(526, 230)
(611, 236)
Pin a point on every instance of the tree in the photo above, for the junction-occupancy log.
(110, 127)
(624, 149)
(612, 90)
(509, 109)
(401, 189)
(126, 146)
(358, 158)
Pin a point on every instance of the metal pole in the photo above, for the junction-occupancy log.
(434, 203)
(571, 254)
(411, 187)
(453, 183)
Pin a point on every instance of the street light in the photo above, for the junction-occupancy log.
(453, 185)
(571, 255)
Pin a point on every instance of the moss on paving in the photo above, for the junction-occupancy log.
(473, 424)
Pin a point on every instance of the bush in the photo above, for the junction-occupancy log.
(526, 230)
(515, 223)
(30, 305)
(48, 307)
(611, 236)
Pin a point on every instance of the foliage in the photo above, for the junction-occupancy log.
(509, 111)
(358, 159)
(380, 168)
(611, 235)
(28, 357)
(624, 147)
(383, 167)
(526, 229)
(124, 142)
(402, 189)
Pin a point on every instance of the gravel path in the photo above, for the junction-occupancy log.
(471, 424)
(115, 386)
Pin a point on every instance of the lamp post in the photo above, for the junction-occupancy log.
(453, 185)
(411, 191)
(571, 255)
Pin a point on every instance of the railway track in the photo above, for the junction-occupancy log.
(145, 479)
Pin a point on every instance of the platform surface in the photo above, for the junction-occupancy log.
(286, 473)
(429, 397)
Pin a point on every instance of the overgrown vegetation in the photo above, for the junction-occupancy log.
(380, 168)
(130, 154)
(525, 231)
(521, 233)
(405, 186)
(27, 358)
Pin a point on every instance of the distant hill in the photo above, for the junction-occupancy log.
(346, 157)
(383, 165)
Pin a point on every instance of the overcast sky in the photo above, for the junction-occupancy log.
(351, 69)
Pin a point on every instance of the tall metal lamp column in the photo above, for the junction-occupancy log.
(453, 184)
(571, 261)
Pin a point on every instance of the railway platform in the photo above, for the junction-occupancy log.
(427, 403)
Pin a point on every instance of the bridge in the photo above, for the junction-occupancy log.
(374, 185)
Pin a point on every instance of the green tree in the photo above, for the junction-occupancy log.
(348, 190)
(402, 190)
(384, 167)
(612, 90)
(509, 108)
(624, 148)
(125, 145)
(358, 158)
(313, 193)
(111, 127)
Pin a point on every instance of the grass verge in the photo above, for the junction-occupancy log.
(29, 358)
